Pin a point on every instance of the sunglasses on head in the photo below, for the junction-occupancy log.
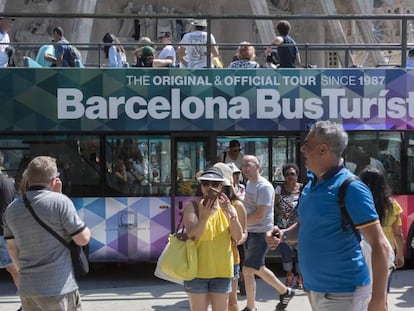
(290, 174)
(214, 184)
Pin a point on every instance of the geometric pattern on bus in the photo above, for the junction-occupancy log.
(126, 229)
(26, 93)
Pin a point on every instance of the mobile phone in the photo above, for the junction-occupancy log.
(276, 234)
(212, 195)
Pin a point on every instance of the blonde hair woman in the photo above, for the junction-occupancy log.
(246, 55)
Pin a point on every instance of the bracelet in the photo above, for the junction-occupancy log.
(285, 236)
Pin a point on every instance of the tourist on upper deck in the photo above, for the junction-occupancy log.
(168, 51)
(246, 55)
(61, 48)
(114, 51)
(6, 24)
(410, 60)
(289, 56)
(196, 54)
(146, 58)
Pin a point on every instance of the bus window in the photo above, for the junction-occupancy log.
(77, 159)
(191, 158)
(360, 151)
(389, 151)
(284, 150)
(257, 146)
(138, 165)
(378, 149)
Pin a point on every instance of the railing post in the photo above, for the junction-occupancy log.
(208, 42)
(347, 58)
(403, 41)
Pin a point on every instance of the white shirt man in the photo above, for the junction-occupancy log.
(5, 26)
(168, 51)
(196, 54)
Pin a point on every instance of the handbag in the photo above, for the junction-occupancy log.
(161, 275)
(178, 261)
(79, 258)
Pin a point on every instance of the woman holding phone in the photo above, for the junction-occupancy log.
(213, 223)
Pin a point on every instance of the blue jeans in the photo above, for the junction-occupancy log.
(287, 251)
(5, 259)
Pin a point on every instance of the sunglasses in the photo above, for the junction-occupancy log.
(290, 174)
(214, 184)
(236, 150)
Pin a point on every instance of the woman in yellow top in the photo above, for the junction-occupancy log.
(388, 209)
(213, 225)
(230, 191)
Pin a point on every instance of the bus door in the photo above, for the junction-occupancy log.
(190, 156)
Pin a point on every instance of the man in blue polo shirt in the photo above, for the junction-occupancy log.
(334, 269)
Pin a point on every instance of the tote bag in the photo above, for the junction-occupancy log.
(179, 258)
(160, 274)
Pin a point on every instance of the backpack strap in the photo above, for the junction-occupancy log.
(224, 156)
(344, 213)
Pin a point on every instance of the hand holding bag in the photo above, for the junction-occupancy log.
(79, 259)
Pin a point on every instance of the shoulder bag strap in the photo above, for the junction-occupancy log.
(57, 236)
(344, 213)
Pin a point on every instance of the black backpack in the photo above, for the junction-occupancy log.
(72, 54)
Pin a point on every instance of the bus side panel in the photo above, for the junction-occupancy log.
(407, 216)
(126, 228)
(180, 203)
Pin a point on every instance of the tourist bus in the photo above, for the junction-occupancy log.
(170, 124)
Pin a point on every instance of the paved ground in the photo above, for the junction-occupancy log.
(119, 288)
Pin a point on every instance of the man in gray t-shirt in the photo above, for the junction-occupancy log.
(259, 201)
(47, 280)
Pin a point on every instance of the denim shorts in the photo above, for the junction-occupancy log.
(5, 259)
(236, 269)
(255, 250)
(202, 286)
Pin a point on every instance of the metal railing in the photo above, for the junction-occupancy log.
(305, 48)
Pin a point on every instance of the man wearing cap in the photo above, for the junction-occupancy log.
(6, 24)
(168, 51)
(196, 54)
(410, 60)
(146, 58)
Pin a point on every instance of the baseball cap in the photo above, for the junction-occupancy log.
(212, 173)
(234, 168)
(199, 22)
(226, 171)
(147, 51)
(164, 34)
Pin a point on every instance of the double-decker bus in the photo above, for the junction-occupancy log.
(169, 124)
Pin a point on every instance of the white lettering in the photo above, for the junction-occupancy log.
(268, 104)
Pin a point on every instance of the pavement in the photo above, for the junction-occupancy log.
(110, 291)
